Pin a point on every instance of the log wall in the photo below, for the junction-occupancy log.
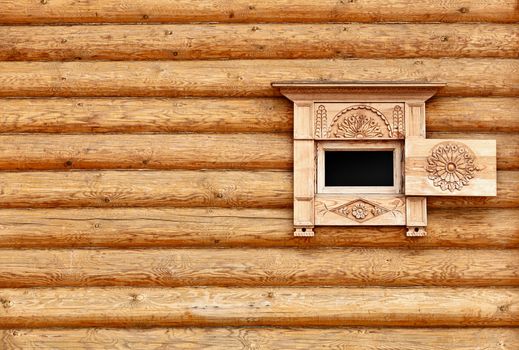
(145, 177)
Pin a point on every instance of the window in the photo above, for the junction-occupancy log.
(359, 167)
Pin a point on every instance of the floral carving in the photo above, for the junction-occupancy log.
(359, 121)
(358, 126)
(398, 121)
(320, 121)
(359, 210)
(451, 165)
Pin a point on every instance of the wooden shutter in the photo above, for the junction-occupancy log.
(435, 167)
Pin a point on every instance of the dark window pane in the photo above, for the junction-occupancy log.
(358, 168)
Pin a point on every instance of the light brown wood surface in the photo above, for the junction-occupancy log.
(220, 227)
(425, 160)
(507, 145)
(464, 76)
(183, 151)
(103, 11)
(245, 41)
(184, 188)
(259, 267)
(507, 195)
(145, 177)
(157, 151)
(467, 114)
(147, 188)
(220, 306)
(263, 338)
(223, 115)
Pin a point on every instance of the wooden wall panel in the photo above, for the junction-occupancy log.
(130, 115)
(507, 145)
(259, 267)
(138, 307)
(263, 338)
(507, 195)
(157, 151)
(244, 41)
(103, 11)
(468, 114)
(221, 227)
(146, 188)
(184, 188)
(182, 151)
(224, 115)
(464, 77)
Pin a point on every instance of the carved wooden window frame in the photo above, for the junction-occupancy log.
(320, 110)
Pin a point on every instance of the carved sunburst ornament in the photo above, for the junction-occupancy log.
(358, 126)
(357, 122)
(451, 165)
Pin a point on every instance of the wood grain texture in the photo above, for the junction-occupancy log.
(157, 151)
(146, 188)
(507, 145)
(106, 11)
(185, 188)
(183, 151)
(246, 41)
(423, 179)
(223, 115)
(217, 306)
(263, 338)
(129, 115)
(258, 267)
(221, 227)
(469, 114)
(507, 195)
(464, 76)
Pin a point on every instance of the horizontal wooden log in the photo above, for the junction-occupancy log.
(157, 151)
(258, 267)
(222, 115)
(146, 188)
(217, 306)
(181, 151)
(263, 338)
(220, 227)
(184, 188)
(464, 76)
(129, 115)
(128, 11)
(474, 114)
(507, 145)
(244, 41)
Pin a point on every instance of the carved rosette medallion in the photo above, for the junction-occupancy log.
(451, 165)
(359, 121)
(359, 210)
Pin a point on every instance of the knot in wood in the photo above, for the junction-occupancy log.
(137, 297)
(6, 303)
